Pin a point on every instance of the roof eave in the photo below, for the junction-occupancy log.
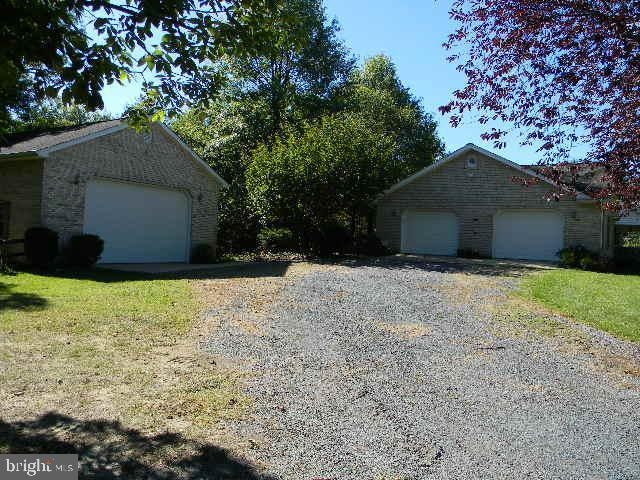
(194, 155)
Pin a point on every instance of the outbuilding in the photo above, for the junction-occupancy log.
(471, 202)
(149, 196)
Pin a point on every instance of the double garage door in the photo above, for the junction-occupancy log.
(517, 234)
(138, 223)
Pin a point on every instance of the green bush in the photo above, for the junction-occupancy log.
(203, 253)
(371, 245)
(631, 240)
(84, 250)
(572, 256)
(579, 257)
(276, 239)
(40, 246)
(332, 238)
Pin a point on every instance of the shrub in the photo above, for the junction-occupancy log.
(371, 245)
(276, 239)
(580, 257)
(631, 240)
(84, 250)
(40, 246)
(331, 238)
(572, 256)
(203, 253)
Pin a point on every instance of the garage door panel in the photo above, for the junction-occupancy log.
(528, 234)
(432, 233)
(138, 223)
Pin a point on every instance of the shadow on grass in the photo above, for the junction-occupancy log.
(105, 275)
(10, 300)
(108, 451)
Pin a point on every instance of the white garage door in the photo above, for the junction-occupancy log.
(528, 234)
(432, 233)
(139, 224)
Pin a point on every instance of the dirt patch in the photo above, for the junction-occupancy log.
(405, 331)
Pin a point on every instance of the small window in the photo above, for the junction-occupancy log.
(4, 219)
(472, 162)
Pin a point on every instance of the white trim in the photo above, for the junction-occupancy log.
(461, 151)
(195, 157)
(44, 152)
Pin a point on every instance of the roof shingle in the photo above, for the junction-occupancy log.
(36, 141)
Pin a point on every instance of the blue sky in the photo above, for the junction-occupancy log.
(411, 32)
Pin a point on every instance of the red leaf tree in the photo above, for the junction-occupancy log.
(562, 72)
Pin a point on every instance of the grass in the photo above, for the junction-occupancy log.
(605, 301)
(103, 344)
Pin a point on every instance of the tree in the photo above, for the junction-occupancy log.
(73, 47)
(331, 171)
(376, 92)
(53, 114)
(292, 78)
(298, 70)
(562, 72)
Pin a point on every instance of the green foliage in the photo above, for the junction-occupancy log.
(72, 48)
(276, 239)
(579, 257)
(331, 238)
(53, 114)
(290, 78)
(84, 250)
(631, 239)
(203, 253)
(375, 92)
(40, 246)
(334, 167)
(304, 138)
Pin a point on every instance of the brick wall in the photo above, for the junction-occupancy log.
(21, 185)
(475, 195)
(125, 155)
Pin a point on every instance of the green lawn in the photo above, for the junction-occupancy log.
(101, 344)
(606, 301)
(91, 302)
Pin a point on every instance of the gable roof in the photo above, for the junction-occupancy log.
(42, 143)
(470, 147)
(36, 141)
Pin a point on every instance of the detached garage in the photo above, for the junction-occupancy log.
(147, 195)
(470, 202)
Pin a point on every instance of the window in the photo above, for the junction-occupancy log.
(4, 219)
(472, 162)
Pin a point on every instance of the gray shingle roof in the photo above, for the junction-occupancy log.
(36, 141)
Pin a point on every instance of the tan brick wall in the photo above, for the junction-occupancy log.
(21, 184)
(125, 155)
(475, 195)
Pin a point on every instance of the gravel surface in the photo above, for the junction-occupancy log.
(391, 369)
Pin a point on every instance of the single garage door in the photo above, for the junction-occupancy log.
(138, 223)
(528, 234)
(432, 233)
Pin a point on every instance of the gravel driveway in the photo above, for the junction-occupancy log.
(396, 368)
